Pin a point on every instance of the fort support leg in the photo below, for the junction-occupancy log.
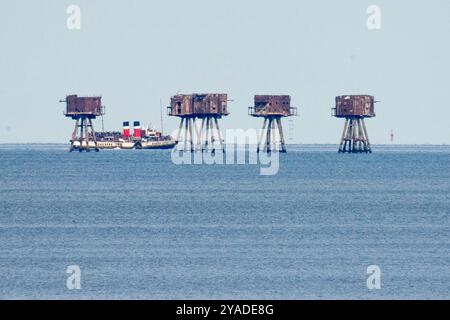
(363, 138)
(354, 137)
(74, 134)
(350, 137)
(362, 141)
(193, 134)
(191, 137)
(192, 128)
(358, 137)
(180, 128)
(81, 137)
(213, 139)
(186, 130)
(203, 133)
(86, 134)
(369, 148)
(207, 135)
(274, 137)
(221, 142)
(280, 131)
(260, 139)
(268, 147)
(75, 131)
(343, 138)
(94, 138)
(199, 132)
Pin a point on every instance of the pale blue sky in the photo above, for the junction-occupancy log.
(135, 53)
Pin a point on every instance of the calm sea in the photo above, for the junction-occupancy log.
(141, 227)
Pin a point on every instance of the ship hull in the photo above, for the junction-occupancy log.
(148, 145)
(107, 145)
(157, 145)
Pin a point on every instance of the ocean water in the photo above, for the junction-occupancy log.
(141, 227)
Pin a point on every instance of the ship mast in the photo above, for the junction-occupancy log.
(161, 113)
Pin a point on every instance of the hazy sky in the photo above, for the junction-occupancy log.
(135, 53)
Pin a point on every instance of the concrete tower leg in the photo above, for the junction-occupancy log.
(213, 139)
(191, 136)
(199, 132)
(343, 138)
(180, 128)
(280, 131)
(274, 135)
(94, 138)
(268, 147)
(261, 136)
(221, 142)
(186, 130)
(74, 134)
(207, 135)
(354, 137)
(369, 148)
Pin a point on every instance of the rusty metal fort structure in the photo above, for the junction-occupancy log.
(354, 108)
(199, 113)
(272, 108)
(83, 110)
